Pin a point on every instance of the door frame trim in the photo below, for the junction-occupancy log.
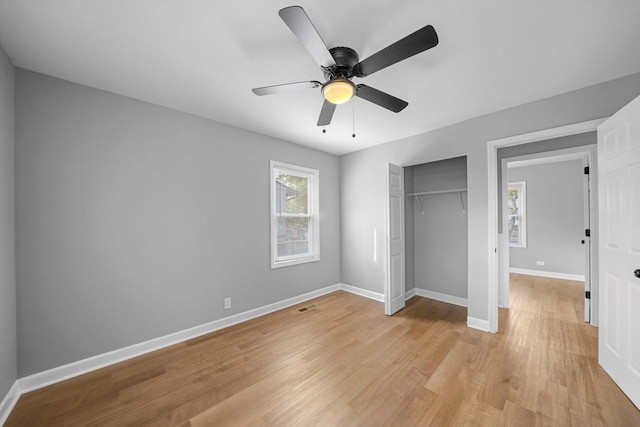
(492, 198)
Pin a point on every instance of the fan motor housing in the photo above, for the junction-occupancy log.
(345, 59)
(344, 56)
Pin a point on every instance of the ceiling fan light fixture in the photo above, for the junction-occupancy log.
(338, 91)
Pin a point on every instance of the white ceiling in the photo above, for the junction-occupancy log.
(203, 57)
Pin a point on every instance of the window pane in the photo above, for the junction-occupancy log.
(291, 194)
(293, 236)
(512, 199)
(516, 214)
(514, 229)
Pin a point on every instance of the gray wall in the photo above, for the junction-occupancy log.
(409, 232)
(362, 178)
(553, 144)
(440, 234)
(8, 363)
(554, 216)
(135, 221)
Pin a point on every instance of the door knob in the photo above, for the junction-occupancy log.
(637, 273)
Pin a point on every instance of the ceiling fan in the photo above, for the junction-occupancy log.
(341, 64)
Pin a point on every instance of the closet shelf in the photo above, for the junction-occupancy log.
(425, 193)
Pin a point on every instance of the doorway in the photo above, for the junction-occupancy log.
(546, 218)
(496, 267)
(436, 230)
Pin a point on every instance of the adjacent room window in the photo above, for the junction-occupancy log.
(295, 236)
(517, 214)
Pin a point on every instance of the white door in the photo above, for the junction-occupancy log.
(619, 212)
(394, 292)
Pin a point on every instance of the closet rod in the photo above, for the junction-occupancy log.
(424, 193)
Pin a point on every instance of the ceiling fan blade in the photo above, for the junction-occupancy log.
(419, 41)
(288, 87)
(380, 98)
(326, 113)
(299, 23)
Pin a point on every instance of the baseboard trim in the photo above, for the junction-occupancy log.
(9, 402)
(449, 299)
(410, 294)
(362, 292)
(74, 369)
(480, 324)
(551, 274)
(61, 373)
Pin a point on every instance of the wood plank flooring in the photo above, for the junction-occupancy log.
(344, 363)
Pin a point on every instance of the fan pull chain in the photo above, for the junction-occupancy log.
(353, 122)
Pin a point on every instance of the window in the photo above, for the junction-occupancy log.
(295, 236)
(516, 211)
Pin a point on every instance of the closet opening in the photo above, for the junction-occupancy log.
(436, 230)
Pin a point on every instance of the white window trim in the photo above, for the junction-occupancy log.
(522, 210)
(314, 210)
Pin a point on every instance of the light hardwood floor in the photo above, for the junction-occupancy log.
(344, 363)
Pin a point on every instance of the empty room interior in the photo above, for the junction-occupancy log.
(331, 213)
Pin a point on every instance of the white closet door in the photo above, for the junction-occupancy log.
(394, 292)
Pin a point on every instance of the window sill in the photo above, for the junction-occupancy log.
(297, 261)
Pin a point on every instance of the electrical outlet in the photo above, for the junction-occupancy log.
(539, 262)
(227, 303)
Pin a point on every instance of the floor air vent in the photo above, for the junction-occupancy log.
(309, 307)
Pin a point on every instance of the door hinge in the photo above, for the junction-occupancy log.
(586, 170)
(587, 294)
(587, 232)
